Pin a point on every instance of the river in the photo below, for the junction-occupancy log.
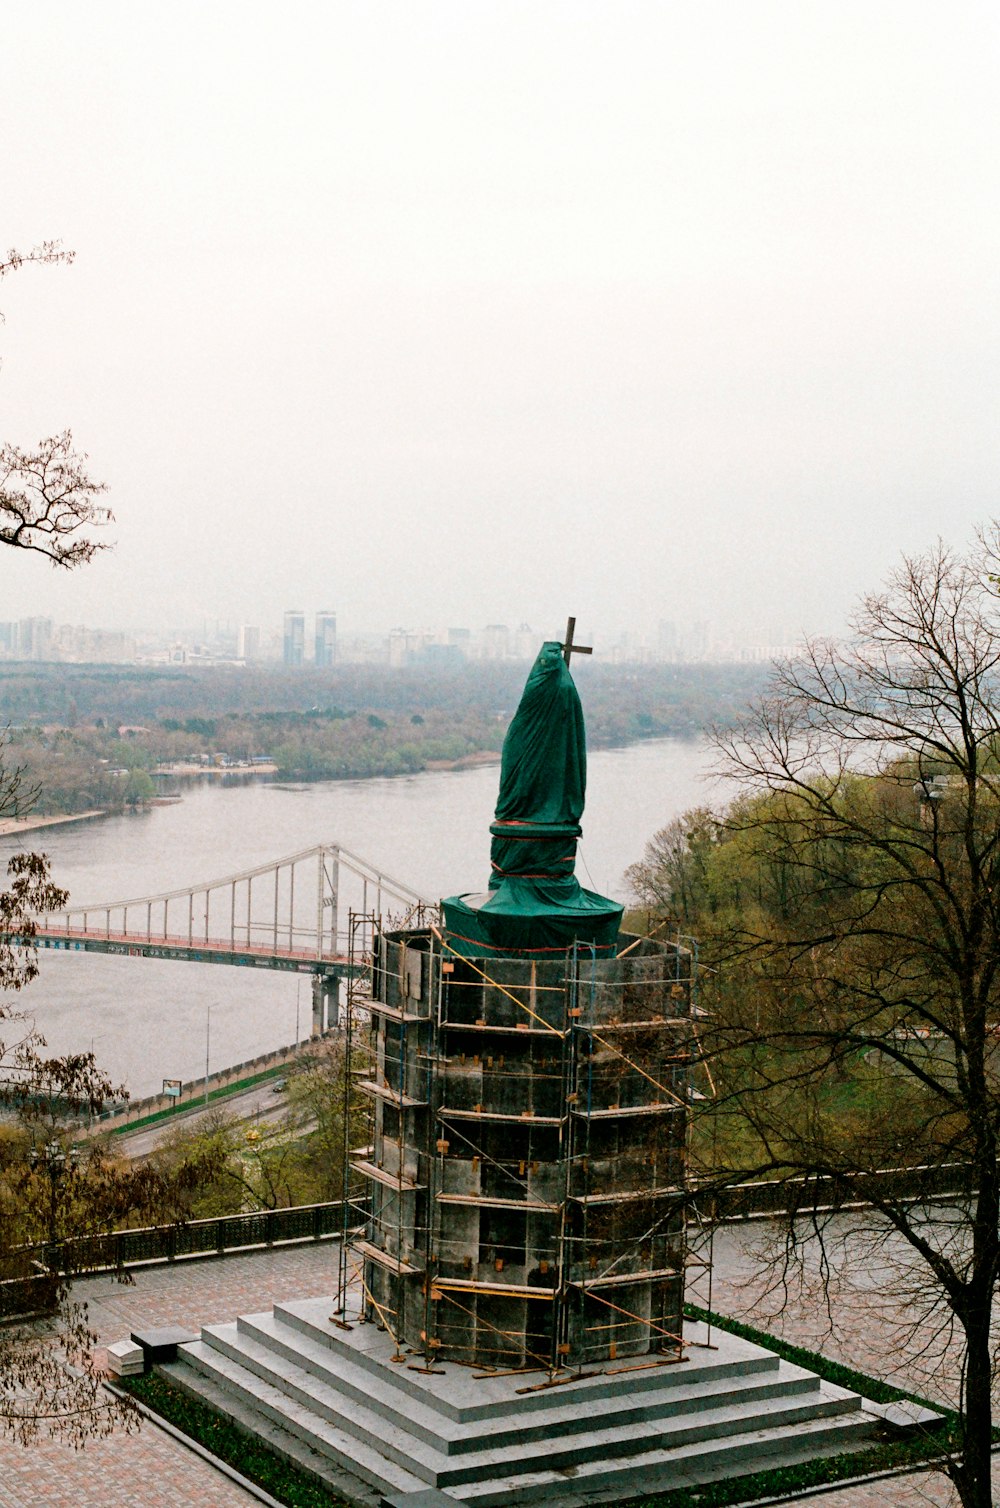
(147, 1019)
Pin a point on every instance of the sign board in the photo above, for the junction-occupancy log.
(172, 1087)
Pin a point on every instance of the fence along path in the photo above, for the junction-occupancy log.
(192, 1091)
(119, 1250)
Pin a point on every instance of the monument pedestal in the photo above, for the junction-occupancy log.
(334, 1401)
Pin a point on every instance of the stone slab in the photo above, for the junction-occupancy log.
(125, 1368)
(903, 1416)
(430, 1497)
(125, 1351)
(161, 1345)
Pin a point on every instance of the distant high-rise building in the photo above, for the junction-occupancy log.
(295, 638)
(526, 642)
(248, 643)
(35, 638)
(496, 641)
(667, 640)
(326, 639)
(397, 647)
(76, 644)
(458, 642)
(698, 642)
(408, 645)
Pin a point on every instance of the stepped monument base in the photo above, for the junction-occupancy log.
(335, 1401)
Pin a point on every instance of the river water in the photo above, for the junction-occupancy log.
(150, 1019)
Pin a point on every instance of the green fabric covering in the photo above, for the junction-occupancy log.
(521, 917)
(535, 903)
(543, 774)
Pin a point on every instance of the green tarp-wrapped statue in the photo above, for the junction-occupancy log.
(535, 904)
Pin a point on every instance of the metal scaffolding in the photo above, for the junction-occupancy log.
(525, 1166)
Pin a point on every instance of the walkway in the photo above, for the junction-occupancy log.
(150, 1470)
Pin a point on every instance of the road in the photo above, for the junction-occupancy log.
(259, 1104)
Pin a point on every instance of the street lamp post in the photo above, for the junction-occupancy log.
(58, 1165)
(208, 1040)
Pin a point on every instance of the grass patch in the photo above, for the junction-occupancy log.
(814, 1361)
(250, 1457)
(178, 1112)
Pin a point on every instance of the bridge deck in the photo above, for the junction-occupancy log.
(261, 955)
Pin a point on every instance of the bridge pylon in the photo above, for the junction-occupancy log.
(325, 1003)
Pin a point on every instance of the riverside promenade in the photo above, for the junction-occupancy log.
(153, 1470)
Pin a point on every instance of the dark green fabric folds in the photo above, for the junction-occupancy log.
(522, 918)
(543, 774)
(535, 903)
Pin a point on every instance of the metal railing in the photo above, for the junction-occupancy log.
(855, 1191)
(32, 1283)
(33, 1287)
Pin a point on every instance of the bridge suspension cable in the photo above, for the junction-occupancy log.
(283, 913)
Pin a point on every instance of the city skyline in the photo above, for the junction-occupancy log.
(41, 638)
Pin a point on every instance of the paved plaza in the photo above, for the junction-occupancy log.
(152, 1470)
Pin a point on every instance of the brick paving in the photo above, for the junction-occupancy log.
(150, 1470)
(887, 1329)
(917, 1490)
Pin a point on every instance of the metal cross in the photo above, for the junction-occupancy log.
(569, 648)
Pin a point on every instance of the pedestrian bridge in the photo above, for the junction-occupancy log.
(288, 914)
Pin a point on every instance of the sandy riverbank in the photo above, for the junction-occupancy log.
(465, 761)
(13, 826)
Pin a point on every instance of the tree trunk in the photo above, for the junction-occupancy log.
(972, 1472)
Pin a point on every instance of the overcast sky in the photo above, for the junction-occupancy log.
(434, 312)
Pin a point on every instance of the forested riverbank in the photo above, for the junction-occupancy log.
(94, 736)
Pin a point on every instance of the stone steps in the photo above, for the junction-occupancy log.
(364, 1345)
(274, 1352)
(335, 1393)
(657, 1471)
(341, 1478)
(566, 1436)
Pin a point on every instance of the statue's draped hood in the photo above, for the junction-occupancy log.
(543, 770)
(535, 904)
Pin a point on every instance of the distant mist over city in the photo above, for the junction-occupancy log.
(304, 640)
(453, 315)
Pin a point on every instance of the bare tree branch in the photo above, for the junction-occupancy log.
(49, 1384)
(46, 496)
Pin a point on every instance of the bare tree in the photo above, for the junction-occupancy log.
(46, 252)
(46, 495)
(850, 900)
(49, 1384)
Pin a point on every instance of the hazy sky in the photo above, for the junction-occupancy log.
(435, 312)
